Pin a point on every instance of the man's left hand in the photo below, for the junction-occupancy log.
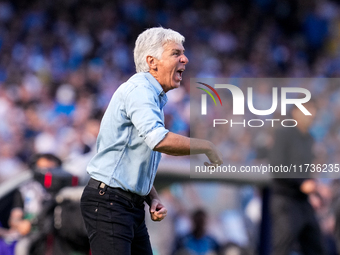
(157, 210)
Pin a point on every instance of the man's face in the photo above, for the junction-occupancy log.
(171, 66)
(44, 164)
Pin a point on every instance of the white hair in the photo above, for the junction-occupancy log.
(151, 43)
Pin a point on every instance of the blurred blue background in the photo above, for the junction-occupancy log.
(61, 61)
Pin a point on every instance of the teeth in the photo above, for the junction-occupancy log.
(179, 75)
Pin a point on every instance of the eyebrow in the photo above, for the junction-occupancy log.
(177, 50)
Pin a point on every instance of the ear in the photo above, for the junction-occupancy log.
(152, 62)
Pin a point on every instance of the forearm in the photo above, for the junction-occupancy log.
(178, 145)
(157, 209)
(152, 195)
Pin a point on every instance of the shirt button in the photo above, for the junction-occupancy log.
(162, 93)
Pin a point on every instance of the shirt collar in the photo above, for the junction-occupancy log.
(155, 84)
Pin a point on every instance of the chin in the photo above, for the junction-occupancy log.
(176, 85)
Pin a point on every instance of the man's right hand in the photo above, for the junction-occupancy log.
(214, 156)
(178, 145)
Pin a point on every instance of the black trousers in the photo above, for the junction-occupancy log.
(114, 224)
(294, 221)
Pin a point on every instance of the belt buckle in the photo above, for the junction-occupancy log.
(103, 188)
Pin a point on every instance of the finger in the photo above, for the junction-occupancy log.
(161, 218)
(153, 207)
(211, 164)
(155, 218)
(158, 218)
(160, 213)
(159, 207)
(217, 162)
(161, 210)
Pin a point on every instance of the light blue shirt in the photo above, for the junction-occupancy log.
(132, 126)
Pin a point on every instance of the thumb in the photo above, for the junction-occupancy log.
(153, 207)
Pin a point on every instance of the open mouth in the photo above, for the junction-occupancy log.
(179, 74)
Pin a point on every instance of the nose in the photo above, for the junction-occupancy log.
(184, 59)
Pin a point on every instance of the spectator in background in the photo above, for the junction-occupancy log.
(80, 149)
(44, 45)
(10, 164)
(198, 242)
(336, 210)
(292, 216)
(28, 204)
(53, 57)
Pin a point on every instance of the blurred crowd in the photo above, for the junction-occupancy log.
(242, 144)
(61, 61)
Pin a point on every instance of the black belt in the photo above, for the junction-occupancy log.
(136, 199)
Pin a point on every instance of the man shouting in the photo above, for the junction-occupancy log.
(130, 142)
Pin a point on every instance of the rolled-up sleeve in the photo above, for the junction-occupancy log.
(145, 114)
(155, 136)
